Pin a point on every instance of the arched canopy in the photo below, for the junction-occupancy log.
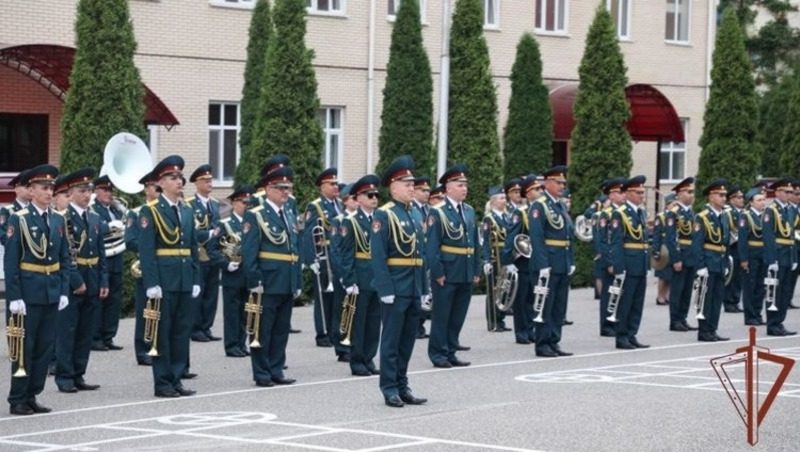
(653, 117)
(50, 65)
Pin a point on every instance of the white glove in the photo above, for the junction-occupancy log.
(17, 307)
(195, 291)
(773, 267)
(233, 266)
(296, 292)
(571, 270)
(487, 269)
(388, 299)
(426, 302)
(259, 289)
(544, 273)
(154, 292)
(63, 302)
(116, 224)
(351, 290)
(702, 272)
(314, 267)
(512, 269)
(794, 266)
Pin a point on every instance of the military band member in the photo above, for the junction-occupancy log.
(659, 239)
(437, 196)
(516, 199)
(494, 229)
(680, 227)
(168, 254)
(552, 259)
(319, 212)
(710, 244)
(88, 285)
(751, 255)
(61, 195)
(206, 223)
(629, 258)
(733, 212)
(270, 261)
(515, 262)
(616, 195)
(22, 200)
(107, 315)
(592, 214)
(451, 245)
(794, 202)
(342, 351)
(357, 276)
(234, 283)
(422, 195)
(36, 267)
(779, 252)
(399, 278)
(151, 190)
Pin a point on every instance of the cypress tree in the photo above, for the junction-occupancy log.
(528, 134)
(790, 144)
(729, 142)
(473, 137)
(253, 158)
(599, 136)
(290, 101)
(407, 116)
(774, 108)
(106, 95)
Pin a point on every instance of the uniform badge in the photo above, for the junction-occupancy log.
(615, 223)
(697, 227)
(130, 222)
(308, 215)
(431, 220)
(766, 218)
(2, 220)
(486, 227)
(670, 221)
(217, 231)
(515, 218)
(343, 231)
(603, 222)
(246, 227)
(535, 213)
(376, 226)
(143, 222)
(10, 231)
(742, 222)
(657, 222)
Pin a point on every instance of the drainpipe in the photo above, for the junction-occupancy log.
(371, 89)
(444, 92)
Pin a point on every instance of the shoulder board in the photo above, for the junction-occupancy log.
(388, 206)
(316, 201)
(21, 212)
(608, 210)
(190, 199)
(542, 199)
(256, 209)
(674, 209)
(621, 209)
(153, 202)
(292, 197)
(225, 220)
(351, 214)
(339, 217)
(727, 208)
(703, 213)
(136, 210)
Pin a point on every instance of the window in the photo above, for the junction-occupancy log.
(332, 130)
(551, 16)
(491, 13)
(677, 23)
(394, 6)
(326, 6)
(23, 141)
(223, 139)
(245, 4)
(672, 158)
(621, 15)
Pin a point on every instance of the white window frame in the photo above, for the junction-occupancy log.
(496, 8)
(541, 13)
(676, 24)
(622, 16)
(237, 4)
(221, 128)
(672, 148)
(313, 8)
(328, 131)
(395, 4)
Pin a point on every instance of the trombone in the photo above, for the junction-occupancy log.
(321, 253)
(15, 332)
(348, 313)
(771, 286)
(152, 317)
(540, 292)
(253, 310)
(614, 295)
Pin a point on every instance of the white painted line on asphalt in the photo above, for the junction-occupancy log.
(396, 446)
(26, 443)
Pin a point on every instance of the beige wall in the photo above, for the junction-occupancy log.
(191, 52)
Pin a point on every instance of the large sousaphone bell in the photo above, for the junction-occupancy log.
(662, 261)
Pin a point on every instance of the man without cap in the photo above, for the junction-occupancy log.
(733, 212)
(37, 285)
(682, 257)
(779, 253)
(170, 272)
(751, 256)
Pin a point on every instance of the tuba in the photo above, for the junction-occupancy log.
(771, 286)
(583, 228)
(15, 332)
(152, 317)
(614, 295)
(231, 244)
(505, 283)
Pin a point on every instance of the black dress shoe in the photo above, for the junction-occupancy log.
(361, 373)
(732, 309)
(265, 383)
(235, 354)
(752, 322)
(83, 386)
(793, 306)
(775, 332)
(145, 361)
(171, 393)
(409, 399)
(523, 341)
(567, 322)
(283, 381)
(99, 347)
(789, 333)
(707, 337)
(422, 335)
(246, 352)
(343, 357)
(463, 348)
(625, 345)
(546, 353)
(199, 337)
(661, 302)
(39, 408)
(213, 338)
(113, 346)
(69, 389)
(188, 375)
(608, 333)
(294, 331)
(20, 409)
(455, 362)
(324, 342)
(557, 348)
(374, 371)
(185, 392)
(394, 401)
(721, 338)
(635, 342)
(678, 326)
(442, 364)
(689, 327)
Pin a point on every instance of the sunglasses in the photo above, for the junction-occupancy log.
(370, 195)
(281, 187)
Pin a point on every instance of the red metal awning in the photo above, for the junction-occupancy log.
(652, 118)
(50, 65)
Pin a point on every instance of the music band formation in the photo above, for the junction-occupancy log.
(379, 271)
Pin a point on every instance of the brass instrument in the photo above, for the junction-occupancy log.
(540, 291)
(322, 252)
(771, 286)
(15, 332)
(505, 283)
(583, 228)
(522, 246)
(253, 310)
(231, 244)
(614, 295)
(348, 313)
(74, 248)
(699, 289)
(136, 269)
(152, 317)
(730, 269)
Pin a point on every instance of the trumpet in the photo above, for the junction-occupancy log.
(136, 269)
(152, 317)
(699, 289)
(771, 285)
(253, 310)
(15, 332)
(540, 292)
(322, 253)
(348, 313)
(614, 295)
